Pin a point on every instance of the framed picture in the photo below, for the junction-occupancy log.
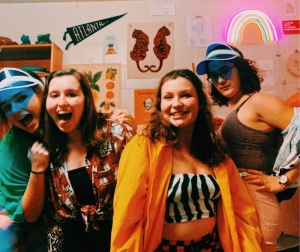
(144, 102)
(105, 80)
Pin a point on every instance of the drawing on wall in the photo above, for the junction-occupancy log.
(144, 104)
(110, 45)
(161, 48)
(293, 64)
(80, 32)
(289, 7)
(105, 80)
(150, 49)
(199, 31)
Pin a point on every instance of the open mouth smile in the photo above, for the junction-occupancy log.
(64, 116)
(26, 120)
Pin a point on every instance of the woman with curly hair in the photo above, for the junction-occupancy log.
(177, 190)
(251, 131)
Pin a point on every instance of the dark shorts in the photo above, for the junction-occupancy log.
(209, 242)
(75, 239)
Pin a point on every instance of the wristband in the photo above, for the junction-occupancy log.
(35, 172)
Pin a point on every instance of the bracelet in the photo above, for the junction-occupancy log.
(35, 172)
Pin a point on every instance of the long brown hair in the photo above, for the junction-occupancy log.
(89, 123)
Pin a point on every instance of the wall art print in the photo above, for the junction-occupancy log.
(105, 80)
(150, 50)
(144, 104)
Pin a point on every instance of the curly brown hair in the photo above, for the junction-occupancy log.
(248, 74)
(206, 146)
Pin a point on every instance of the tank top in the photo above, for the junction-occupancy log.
(248, 147)
(191, 197)
(82, 186)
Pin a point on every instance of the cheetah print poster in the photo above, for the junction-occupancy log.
(105, 81)
(150, 50)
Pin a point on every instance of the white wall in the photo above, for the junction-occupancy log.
(39, 18)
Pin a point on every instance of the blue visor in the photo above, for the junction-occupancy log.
(216, 51)
(15, 78)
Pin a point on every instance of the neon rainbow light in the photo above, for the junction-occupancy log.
(240, 21)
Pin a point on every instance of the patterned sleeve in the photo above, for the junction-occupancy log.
(121, 134)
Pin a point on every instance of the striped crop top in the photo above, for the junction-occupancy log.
(191, 197)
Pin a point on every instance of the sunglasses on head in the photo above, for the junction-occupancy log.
(225, 73)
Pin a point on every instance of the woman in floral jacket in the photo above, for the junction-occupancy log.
(87, 148)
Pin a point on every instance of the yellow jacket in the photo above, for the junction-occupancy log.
(140, 201)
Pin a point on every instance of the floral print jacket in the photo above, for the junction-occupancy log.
(102, 167)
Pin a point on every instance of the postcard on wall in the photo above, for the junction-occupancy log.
(144, 104)
(199, 31)
(162, 9)
(150, 50)
(105, 81)
(289, 7)
(110, 45)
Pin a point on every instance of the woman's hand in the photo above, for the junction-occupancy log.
(33, 199)
(265, 182)
(5, 221)
(122, 116)
(39, 157)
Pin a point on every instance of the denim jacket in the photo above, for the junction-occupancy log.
(289, 153)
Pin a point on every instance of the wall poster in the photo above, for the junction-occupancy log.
(144, 102)
(105, 80)
(199, 31)
(150, 50)
(289, 7)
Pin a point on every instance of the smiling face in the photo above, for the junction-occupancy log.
(228, 87)
(22, 107)
(179, 102)
(65, 102)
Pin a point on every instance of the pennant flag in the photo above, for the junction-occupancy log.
(81, 32)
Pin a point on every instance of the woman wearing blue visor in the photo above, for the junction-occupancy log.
(252, 131)
(22, 186)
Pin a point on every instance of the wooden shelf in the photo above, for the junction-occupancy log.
(48, 56)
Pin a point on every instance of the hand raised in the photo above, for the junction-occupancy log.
(39, 157)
